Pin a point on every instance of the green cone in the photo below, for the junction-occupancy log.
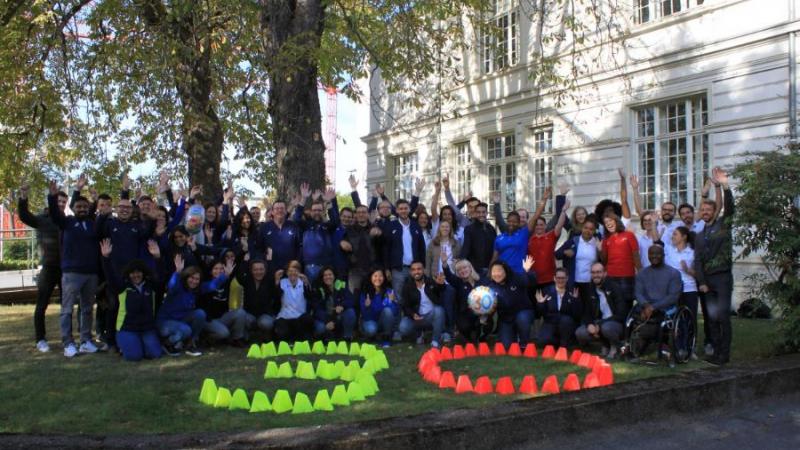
(254, 352)
(369, 366)
(331, 350)
(368, 383)
(271, 371)
(355, 350)
(339, 396)
(338, 368)
(260, 403)
(282, 402)
(318, 348)
(354, 366)
(301, 348)
(305, 371)
(268, 350)
(347, 374)
(239, 400)
(380, 360)
(223, 398)
(284, 349)
(302, 404)
(322, 368)
(341, 349)
(367, 350)
(208, 393)
(322, 402)
(285, 370)
(355, 393)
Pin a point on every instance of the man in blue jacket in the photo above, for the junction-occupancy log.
(403, 243)
(317, 235)
(79, 266)
(278, 241)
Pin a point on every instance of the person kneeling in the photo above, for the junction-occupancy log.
(422, 300)
(334, 307)
(561, 310)
(294, 323)
(225, 322)
(604, 314)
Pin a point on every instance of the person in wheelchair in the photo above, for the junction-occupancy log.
(657, 289)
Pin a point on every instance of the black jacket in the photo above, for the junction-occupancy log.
(714, 245)
(478, 244)
(617, 303)
(412, 298)
(258, 299)
(570, 306)
(47, 234)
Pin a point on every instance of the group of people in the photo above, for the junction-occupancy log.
(170, 275)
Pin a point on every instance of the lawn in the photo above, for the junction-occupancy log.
(102, 394)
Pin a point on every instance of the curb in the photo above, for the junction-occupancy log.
(494, 427)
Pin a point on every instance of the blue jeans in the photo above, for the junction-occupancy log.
(384, 324)
(398, 280)
(518, 330)
(449, 305)
(180, 330)
(136, 345)
(230, 325)
(344, 325)
(78, 289)
(433, 319)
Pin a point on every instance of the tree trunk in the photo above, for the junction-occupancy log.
(292, 33)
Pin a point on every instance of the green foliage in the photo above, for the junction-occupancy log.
(16, 249)
(17, 264)
(344, 200)
(767, 222)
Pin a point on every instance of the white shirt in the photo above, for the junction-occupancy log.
(425, 304)
(645, 242)
(605, 310)
(673, 258)
(408, 251)
(293, 302)
(585, 256)
(699, 226)
(665, 230)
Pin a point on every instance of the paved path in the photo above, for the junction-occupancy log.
(17, 279)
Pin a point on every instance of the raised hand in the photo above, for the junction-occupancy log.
(278, 275)
(467, 195)
(93, 194)
(243, 244)
(196, 190)
(437, 186)
(353, 182)
(720, 176)
(191, 242)
(163, 181)
(305, 190)
(53, 187)
(419, 185)
(228, 268)
(634, 182)
(548, 192)
(178, 263)
(496, 197)
(446, 182)
(541, 298)
(81, 183)
(23, 191)
(126, 182)
(208, 232)
(317, 195)
(527, 263)
(227, 194)
(380, 190)
(329, 195)
(567, 204)
(105, 247)
(707, 186)
(153, 249)
(576, 293)
(439, 278)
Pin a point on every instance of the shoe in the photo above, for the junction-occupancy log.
(434, 344)
(715, 361)
(420, 340)
(192, 350)
(103, 347)
(612, 353)
(446, 338)
(683, 354)
(43, 346)
(87, 347)
(708, 349)
(70, 351)
(170, 350)
(386, 344)
(693, 356)
(396, 337)
(604, 351)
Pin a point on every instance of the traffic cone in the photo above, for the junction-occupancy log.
(339, 396)
(223, 399)
(447, 380)
(499, 349)
(239, 400)
(208, 393)
(367, 350)
(368, 383)
(583, 361)
(284, 349)
(434, 353)
(591, 381)
(594, 361)
(424, 364)
(483, 385)
(347, 374)
(446, 354)
(322, 402)
(282, 402)
(369, 366)
(320, 369)
(571, 383)
(550, 385)
(341, 349)
(575, 357)
(433, 375)
(483, 349)
(305, 371)
(331, 349)
(268, 349)
(301, 348)
(514, 350)
(318, 348)
(504, 386)
(458, 352)
(285, 370)
(470, 350)
(355, 393)
(530, 351)
(561, 354)
(271, 371)
(302, 404)
(464, 384)
(605, 374)
(355, 349)
(260, 403)
(354, 366)
(528, 385)
(549, 352)
(381, 361)
(254, 352)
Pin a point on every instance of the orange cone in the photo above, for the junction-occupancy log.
(514, 350)
(550, 385)
(425, 364)
(576, 355)
(549, 352)
(469, 350)
(528, 385)
(483, 349)
(499, 349)
(447, 381)
(483, 386)
(464, 384)
(583, 361)
(605, 374)
(504, 386)
(591, 381)
(434, 353)
(572, 383)
(530, 351)
(594, 361)
(445, 353)
(433, 375)
(561, 354)
(458, 352)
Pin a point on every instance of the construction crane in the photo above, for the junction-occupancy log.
(330, 133)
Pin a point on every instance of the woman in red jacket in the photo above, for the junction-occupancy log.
(620, 254)
(542, 247)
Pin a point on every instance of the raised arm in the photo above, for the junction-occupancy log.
(637, 201)
(437, 188)
(548, 191)
(22, 208)
(56, 215)
(721, 184)
(561, 198)
(498, 213)
(623, 195)
(562, 219)
(354, 191)
(460, 217)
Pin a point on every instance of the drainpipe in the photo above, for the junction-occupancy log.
(792, 78)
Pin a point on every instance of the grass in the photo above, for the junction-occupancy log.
(102, 394)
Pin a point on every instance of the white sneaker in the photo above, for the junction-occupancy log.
(420, 340)
(88, 347)
(434, 344)
(708, 350)
(446, 338)
(70, 351)
(42, 346)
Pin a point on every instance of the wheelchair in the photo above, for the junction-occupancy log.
(675, 335)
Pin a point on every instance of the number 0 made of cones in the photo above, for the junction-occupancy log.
(599, 373)
(358, 381)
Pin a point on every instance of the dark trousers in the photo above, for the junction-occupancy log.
(49, 277)
(584, 291)
(299, 329)
(470, 327)
(689, 300)
(624, 286)
(718, 305)
(561, 334)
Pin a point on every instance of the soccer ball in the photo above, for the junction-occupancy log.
(482, 300)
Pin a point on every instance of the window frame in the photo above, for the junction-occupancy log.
(542, 161)
(656, 9)
(405, 166)
(501, 31)
(503, 167)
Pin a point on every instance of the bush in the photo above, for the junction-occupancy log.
(16, 249)
(17, 264)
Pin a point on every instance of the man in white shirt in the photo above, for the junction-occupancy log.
(422, 305)
(604, 314)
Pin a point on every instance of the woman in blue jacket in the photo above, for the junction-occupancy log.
(136, 325)
(514, 308)
(334, 307)
(471, 326)
(561, 309)
(379, 308)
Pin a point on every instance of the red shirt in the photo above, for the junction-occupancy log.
(620, 247)
(542, 250)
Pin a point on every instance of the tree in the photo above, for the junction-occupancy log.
(767, 223)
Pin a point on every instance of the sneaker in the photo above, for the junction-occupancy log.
(604, 351)
(192, 350)
(43, 346)
(612, 352)
(434, 344)
(70, 351)
(714, 361)
(103, 347)
(396, 337)
(386, 344)
(420, 340)
(446, 338)
(170, 350)
(708, 349)
(683, 354)
(88, 347)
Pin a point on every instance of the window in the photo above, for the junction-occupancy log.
(500, 46)
(405, 166)
(463, 168)
(502, 170)
(672, 151)
(648, 10)
(542, 163)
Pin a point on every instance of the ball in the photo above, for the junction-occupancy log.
(195, 218)
(482, 300)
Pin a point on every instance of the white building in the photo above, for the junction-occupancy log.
(685, 85)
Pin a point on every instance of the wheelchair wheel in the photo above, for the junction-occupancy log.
(683, 335)
(635, 345)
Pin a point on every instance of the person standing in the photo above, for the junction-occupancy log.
(620, 255)
(403, 243)
(578, 253)
(317, 235)
(479, 237)
(511, 246)
(361, 244)
(680, 256)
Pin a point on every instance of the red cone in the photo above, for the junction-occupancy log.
(504, 386)
(433, 375)
(447, 381)
(458, 352)
(499, 349)
(561, 354)
(550, 385)
(464, 384)
(530, 351)
(425, 364)
(576, 355)
(591, 381)
(483, 349)
(594, 360)
(549, 352)
(572, 383)
(446, 353)
(434, 353)
(605, 374)
(469, 350)
(528, 385)
(514, 350)
(584, 360)
(483, 385)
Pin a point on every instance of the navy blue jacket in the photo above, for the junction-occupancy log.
(127, 238)
(325, 303)
(80, 250)
(591, 310)
(137, 306)
(284, 242)
(412, 298)
(512, 295)
(462, 291)
(392, 243)
(317, 237)
(570, 306)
